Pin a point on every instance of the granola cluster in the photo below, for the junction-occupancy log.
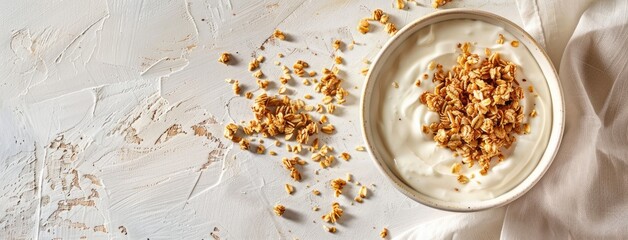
(279, 209)
(334, 214)
(291, 165)
(225, 58)
(381, 17)
(478, 104)
(323, 156)
(280, 115)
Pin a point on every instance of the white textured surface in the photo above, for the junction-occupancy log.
(89, 90)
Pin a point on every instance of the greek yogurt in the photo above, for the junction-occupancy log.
(412, 154)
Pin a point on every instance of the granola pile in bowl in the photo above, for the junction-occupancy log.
(462, 111)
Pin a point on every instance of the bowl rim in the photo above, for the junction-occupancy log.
(556, 131)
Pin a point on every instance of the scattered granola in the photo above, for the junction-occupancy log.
(500, 39)
(401, 4)
(338, 59)
(364, 71)
(323, 119)
(329, 129)
(279, 209)
(391, 28)
(224, 58)
(431, 66)
(334, 215)
(289, 189)
(329, 86)
(351, 45)
(230, 132)
(362, 192)
(384, 19)
(463, 179)
(281, 115)
(526, 128)
(456, 167)
(329, 229)
(244, 144)
(299, 68)
(278, 34)
(260, 149)
(285, 78)
(282, 90)
(478, 105)
(377, 14)
(253, 64)
(263, 84)
(383, 233)
(236, 87)
(337, 44)
(291, 165)
(258, 74)
(330, 108)
(363, 26)
(439, 3)
(337, 184)
(533, 113)
(360, 148)
(514, 43)
(327, 161)
(345, 156)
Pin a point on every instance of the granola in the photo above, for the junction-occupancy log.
(338, 184)
(478, 105)
(363, 26)
(278, 34)
(391, 28)
(383, 233)
(291, 165)
(225, 58)
(439, 3)
(334, 214)
(279, 209)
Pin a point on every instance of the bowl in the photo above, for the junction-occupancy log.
(372, 140)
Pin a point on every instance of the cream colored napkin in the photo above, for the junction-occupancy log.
(584, 195)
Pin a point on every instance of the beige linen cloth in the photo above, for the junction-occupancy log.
(584, 195)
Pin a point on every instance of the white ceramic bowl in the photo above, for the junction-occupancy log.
(557, 123)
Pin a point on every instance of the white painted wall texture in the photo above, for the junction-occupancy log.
(112, 112)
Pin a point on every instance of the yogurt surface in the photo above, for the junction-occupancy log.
(412, 154)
